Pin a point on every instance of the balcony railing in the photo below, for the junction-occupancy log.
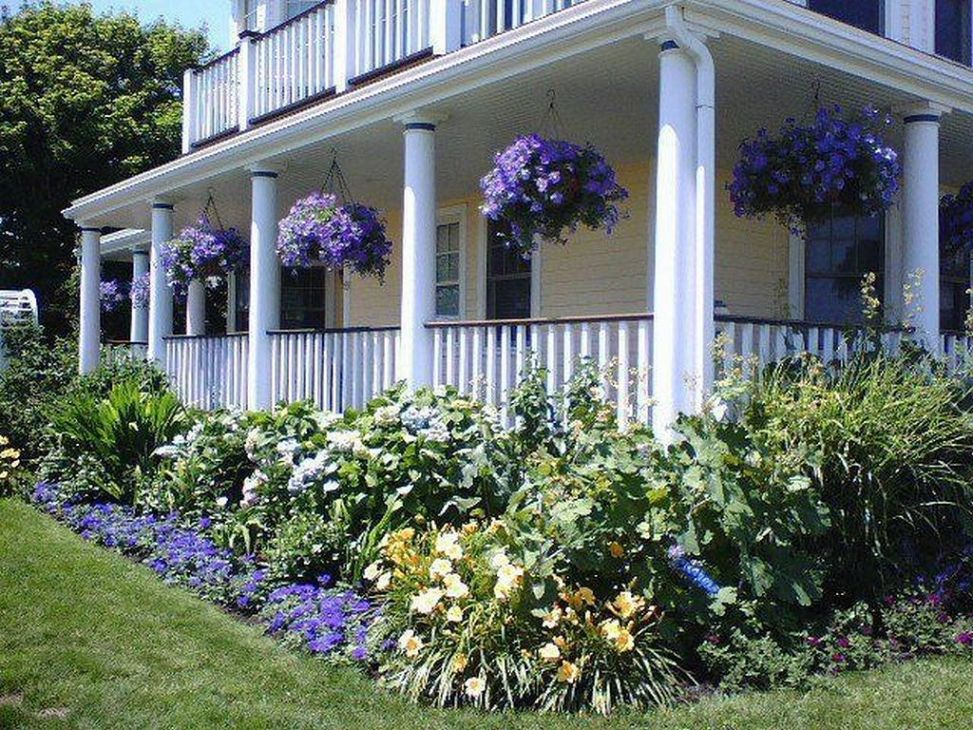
(332, 47)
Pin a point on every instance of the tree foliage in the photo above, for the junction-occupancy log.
(85, 101)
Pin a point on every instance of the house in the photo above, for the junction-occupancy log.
(415, 96)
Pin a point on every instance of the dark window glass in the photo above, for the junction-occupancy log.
(508, 280)
(840, 252)
(864, 14)
(953, 29)
(242, 301)
(954, 285)
(302, 298)
(447, 270)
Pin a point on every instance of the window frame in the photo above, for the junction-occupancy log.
(883, 17)
(451, 215)
(967, 20)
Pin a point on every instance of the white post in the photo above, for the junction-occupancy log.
(139, 330)
(231, 285)
(247, 78)
(920, 225)
(89, 339)
(264, 285)
(344, 40)
(445, 25)
(160, 295)
(674, 298)
(188, 110)
(418, 251)
(196, 308)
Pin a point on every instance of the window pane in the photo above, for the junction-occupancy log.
(447, 301)
(864, 14)
(302, 298)
(953, 29)
(870, 255)
(818, 256)
(833, 300)
(442, 267)
(843, 256)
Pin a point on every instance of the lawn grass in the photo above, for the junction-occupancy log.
(95, 641)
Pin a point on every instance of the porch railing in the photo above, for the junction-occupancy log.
(747, 342)
(957, 349)
(484, 359)
(337, 369)
(331, 47)
(209, 372)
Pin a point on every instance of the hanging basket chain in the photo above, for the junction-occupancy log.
(551, 125)
(814, 103)
(334, 180)
(211, 209)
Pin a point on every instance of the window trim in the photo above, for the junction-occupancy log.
(446, 216)
(967, 61)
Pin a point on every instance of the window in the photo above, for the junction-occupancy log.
(865, 14)
(839, 252)
(953, 31)
(302, 298)
(448, 269)
(508, 279)
(954, 286)
(250, 14)
(296, 7)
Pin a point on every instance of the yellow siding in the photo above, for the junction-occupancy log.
(598, 274)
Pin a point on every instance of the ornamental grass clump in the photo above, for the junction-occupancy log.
(542, 189)
(800, 174)
(319, 229)
(202, 252)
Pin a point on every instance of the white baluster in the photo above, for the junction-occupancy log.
(622, 406)
(504, 375)
(644, 364)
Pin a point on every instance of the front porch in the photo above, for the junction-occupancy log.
(458, 314)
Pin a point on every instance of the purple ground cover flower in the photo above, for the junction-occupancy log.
(543, 188)
(799, 174)
(317, 228)
(113, 294)
(202, 251)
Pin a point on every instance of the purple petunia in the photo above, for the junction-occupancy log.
(802, 172)
(202, 251)
(139, 291)
(543, 188)
(113, 294)
(317, 228)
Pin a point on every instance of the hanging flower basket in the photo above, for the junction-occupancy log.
(202, 252)
(113, 295)
(956, 221)
(318, 228)
(545, 188)
(803, 172)
(139, 292)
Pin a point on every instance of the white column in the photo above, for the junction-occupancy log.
(920, 225)
(264, 285)
(139, 330)
(674, 297)
(89, 337)
(196, 308)
(418, 305)
(160, 295)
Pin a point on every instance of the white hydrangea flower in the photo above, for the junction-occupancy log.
(386, 415)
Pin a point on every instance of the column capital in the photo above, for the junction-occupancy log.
(86, 227)
(264, 170)
(924, 111)
(161, 204)
(421, 120)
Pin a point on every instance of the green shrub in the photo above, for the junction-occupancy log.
(120, 433)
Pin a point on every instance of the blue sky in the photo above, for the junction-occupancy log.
(193, 13)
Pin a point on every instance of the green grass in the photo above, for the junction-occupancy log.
(101, 643)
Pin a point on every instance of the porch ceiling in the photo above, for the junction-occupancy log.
(608, 95)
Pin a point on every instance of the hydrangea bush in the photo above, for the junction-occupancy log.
(545, 188)
(956, 220)
(800, 174)
(113, 294)
(201, 252)
(318, 228)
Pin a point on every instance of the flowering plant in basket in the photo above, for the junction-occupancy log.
(801, 173)
(112, 294)
(139, 291)
(203, 251)
(956, 220)
(318, 228)
(543, 188)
